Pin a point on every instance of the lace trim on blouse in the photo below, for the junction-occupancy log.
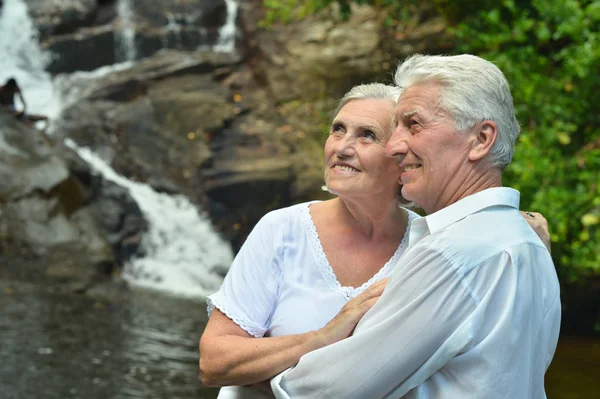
(213, 302)
(327, 271)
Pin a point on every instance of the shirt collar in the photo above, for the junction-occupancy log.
(503, 196)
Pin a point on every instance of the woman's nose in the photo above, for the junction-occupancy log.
(346, 146)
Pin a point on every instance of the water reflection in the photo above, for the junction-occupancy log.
(57, 346)
(575, 369)
(145, 346)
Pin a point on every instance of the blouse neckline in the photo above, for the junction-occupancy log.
(327, 271)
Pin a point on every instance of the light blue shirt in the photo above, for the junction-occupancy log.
(472, 311)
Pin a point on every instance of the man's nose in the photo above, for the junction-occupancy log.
(397, 145)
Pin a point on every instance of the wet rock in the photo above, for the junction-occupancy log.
(85, 50)
(54, 17)
(121, 219)
(85, 35)
(58, 214)
(196, 124)
(237, 134)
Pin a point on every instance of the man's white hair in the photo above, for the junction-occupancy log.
(472, 90)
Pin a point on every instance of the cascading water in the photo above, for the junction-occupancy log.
(227, 33)
(172, 28)
(172, 37)
(126, 50)
(22, 59)
(183, 254)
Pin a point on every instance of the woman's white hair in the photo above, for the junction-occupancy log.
(369, 90)
(472, 90)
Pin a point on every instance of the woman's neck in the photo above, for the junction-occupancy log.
(373, 221)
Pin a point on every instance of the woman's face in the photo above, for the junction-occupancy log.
(355, 162)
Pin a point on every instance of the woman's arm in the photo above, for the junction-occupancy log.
(231, 356)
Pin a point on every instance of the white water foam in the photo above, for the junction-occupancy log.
(126, 50)
(228, 32)
(21, 58)
(183, 253)
(172, 28)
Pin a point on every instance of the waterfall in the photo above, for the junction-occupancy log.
(126, 50)
(21, 58)
(227, 33)
(173, 28)
(183, 253)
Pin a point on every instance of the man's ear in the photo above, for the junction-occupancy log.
(483, 140)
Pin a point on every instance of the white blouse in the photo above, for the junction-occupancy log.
(281, 283)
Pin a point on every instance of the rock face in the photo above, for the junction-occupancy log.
(239, 133)
(180, 122)
(53, 208)
(87, 34)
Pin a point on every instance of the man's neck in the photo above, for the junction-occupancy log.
(473, 183)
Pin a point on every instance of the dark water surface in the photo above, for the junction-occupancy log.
(146, 346)
(72, 346)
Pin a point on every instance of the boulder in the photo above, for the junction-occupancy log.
(84, 50)
(50, 209)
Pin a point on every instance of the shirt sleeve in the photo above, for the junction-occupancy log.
(419, 324)
(250, 288)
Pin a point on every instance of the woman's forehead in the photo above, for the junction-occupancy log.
(368, 108)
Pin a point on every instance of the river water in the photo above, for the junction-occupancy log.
(145, 345)
(58, 346)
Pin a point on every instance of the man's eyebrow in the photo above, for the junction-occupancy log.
(409, 113)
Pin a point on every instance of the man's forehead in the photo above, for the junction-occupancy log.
(418, 97)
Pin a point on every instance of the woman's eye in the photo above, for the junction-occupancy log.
(336, 128)
(369, 135)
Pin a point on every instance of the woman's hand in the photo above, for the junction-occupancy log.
(539, 224)
(343, 324)
(230, 356)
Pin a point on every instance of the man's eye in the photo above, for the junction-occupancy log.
(413, 124)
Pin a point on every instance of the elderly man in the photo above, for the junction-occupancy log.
(473, 308)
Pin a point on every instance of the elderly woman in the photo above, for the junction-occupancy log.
(308, 273)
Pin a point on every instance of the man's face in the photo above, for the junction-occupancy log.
(432, 155)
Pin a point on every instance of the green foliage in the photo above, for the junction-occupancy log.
(549, 51)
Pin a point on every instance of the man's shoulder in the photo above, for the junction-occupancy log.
(484, 234)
